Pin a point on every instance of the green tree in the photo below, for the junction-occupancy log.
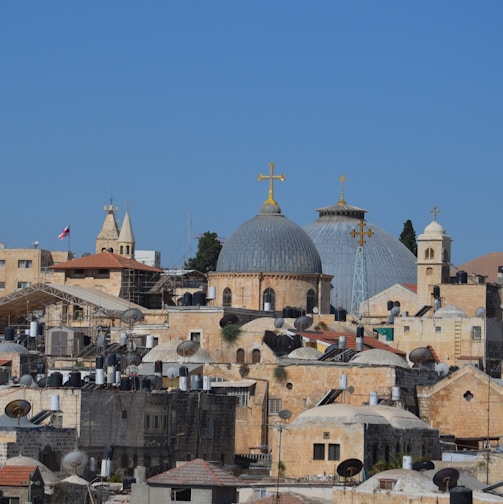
(207, 253)
(408, 236)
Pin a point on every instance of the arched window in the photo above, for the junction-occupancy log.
(240, 356)
(429, 271)
(269, 297)
(127, 250)
(227, 297)
(429, 253)
(255, 356)
(311, 301)
(121, 249)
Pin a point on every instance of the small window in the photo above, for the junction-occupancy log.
(429, 271)
(269, 300)
(23, 285)
(2, 285)
(274, 406)
(240, 356)
(386, 484)
(406, 328)
(438, 329)
(318, 451)
(227, 297)
(334, 451)
(195, 336)
(476, 332)
(124, 413)
(255, 356)
(429, 253)
(2, 263)
(24, 263)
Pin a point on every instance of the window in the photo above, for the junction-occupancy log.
(227, 297)
(9, 500)
(386, 484)
(438, 329)
(274, 406)
(311, 301)
(429, 271)
(318, 451)
(121, 250)
(334, 451)
(2, 263)
(195, 336)
(476, 332)
(24, 263)
(124, 413)
(240, 356)
(242, 393)
(103, 273)
(23, 285)
(269, 297)
(429, 253)
(127, 250)
(2, 285)
(255, 356)
(406, 328)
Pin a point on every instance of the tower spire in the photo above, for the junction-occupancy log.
(342, 201)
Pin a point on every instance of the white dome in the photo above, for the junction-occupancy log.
(166, 352)
(434, 227)
(450, 311)
(305, 353)
(378, 357)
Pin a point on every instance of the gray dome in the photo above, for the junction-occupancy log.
(11, 347)
(450, 311)
(388, 261)
(269, 243)
(378, 357)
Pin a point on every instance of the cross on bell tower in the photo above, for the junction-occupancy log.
(271, 177)
(360, 292)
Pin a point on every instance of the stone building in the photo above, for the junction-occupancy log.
(269, 263)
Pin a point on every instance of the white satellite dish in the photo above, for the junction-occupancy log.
(172, 373)
(187, 348)
(442, 368)
(75, 461)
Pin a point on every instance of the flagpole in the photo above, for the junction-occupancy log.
(69, 238)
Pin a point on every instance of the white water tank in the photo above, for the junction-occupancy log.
(100, 377)
(55, 402)
(206, 383)
(407, 462)
(343, 382)
(123, 339)
(212, 293)
(374, 399)
(140, 474)
(33, 329)
(106, 468)
(395, 394)
(149, 342)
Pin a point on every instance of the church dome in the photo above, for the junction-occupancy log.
(434, 228)
(388, 261)
(269, 243)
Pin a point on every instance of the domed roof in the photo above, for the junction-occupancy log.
(434, 228)
(166, 352)
(407, 481)
(450, 311)
(12, 347)
(388, 261)
(305, 353)
(337, 413)
(20, 460)
(378, 357)
(269, 243)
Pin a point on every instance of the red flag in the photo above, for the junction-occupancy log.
(65, 232)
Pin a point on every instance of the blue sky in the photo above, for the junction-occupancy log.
(175, 107)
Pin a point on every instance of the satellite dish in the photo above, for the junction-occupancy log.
(423, 465)
(351, 389)
(442, 368)
(172, 372)
(285, 414)
(420, 355)
(74, 461)
(279, 323)
(187, 348)
(131, 316)
(17, 408)
(446, 478)
(349, 468)
(230, 319)
(26, 380)
(303, 323)
(315, 310)
(395, 311)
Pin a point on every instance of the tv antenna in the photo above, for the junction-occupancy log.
(284, 415)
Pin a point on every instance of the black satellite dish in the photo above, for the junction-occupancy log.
(349, 468)
(446, 478)
(423, 465)
(17, 408)
(285, 414)
(187, 348)
(303, 323)
(131, 316)
(230, 319)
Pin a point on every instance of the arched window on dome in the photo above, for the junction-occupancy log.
(269, 296)
(240, 356)
(429, 253)
(227, 297)
(311, 301)
(255, 356)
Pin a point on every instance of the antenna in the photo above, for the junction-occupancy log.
(74, 461)
(17, 409)
(446, 479)
(420, 355)
(187, 348)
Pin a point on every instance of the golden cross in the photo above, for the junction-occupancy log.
(361, 233)
(435, 211)
(271, 178)
(342, 201)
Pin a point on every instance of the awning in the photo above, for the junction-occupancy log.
(4, 362)
(385, 331)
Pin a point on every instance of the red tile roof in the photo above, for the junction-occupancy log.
(104, 260)
(412, 287)
(368, 342)
(16, 475)
(196, 473)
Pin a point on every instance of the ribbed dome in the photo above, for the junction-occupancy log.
(388, 261)
(269, 243)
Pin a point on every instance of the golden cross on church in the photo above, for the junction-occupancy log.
(342, 201)
(435, 211)
(361, 233)
(271, 177)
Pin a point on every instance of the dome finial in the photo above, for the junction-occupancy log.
(342, 201)
(435, 211)
(271, 177)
